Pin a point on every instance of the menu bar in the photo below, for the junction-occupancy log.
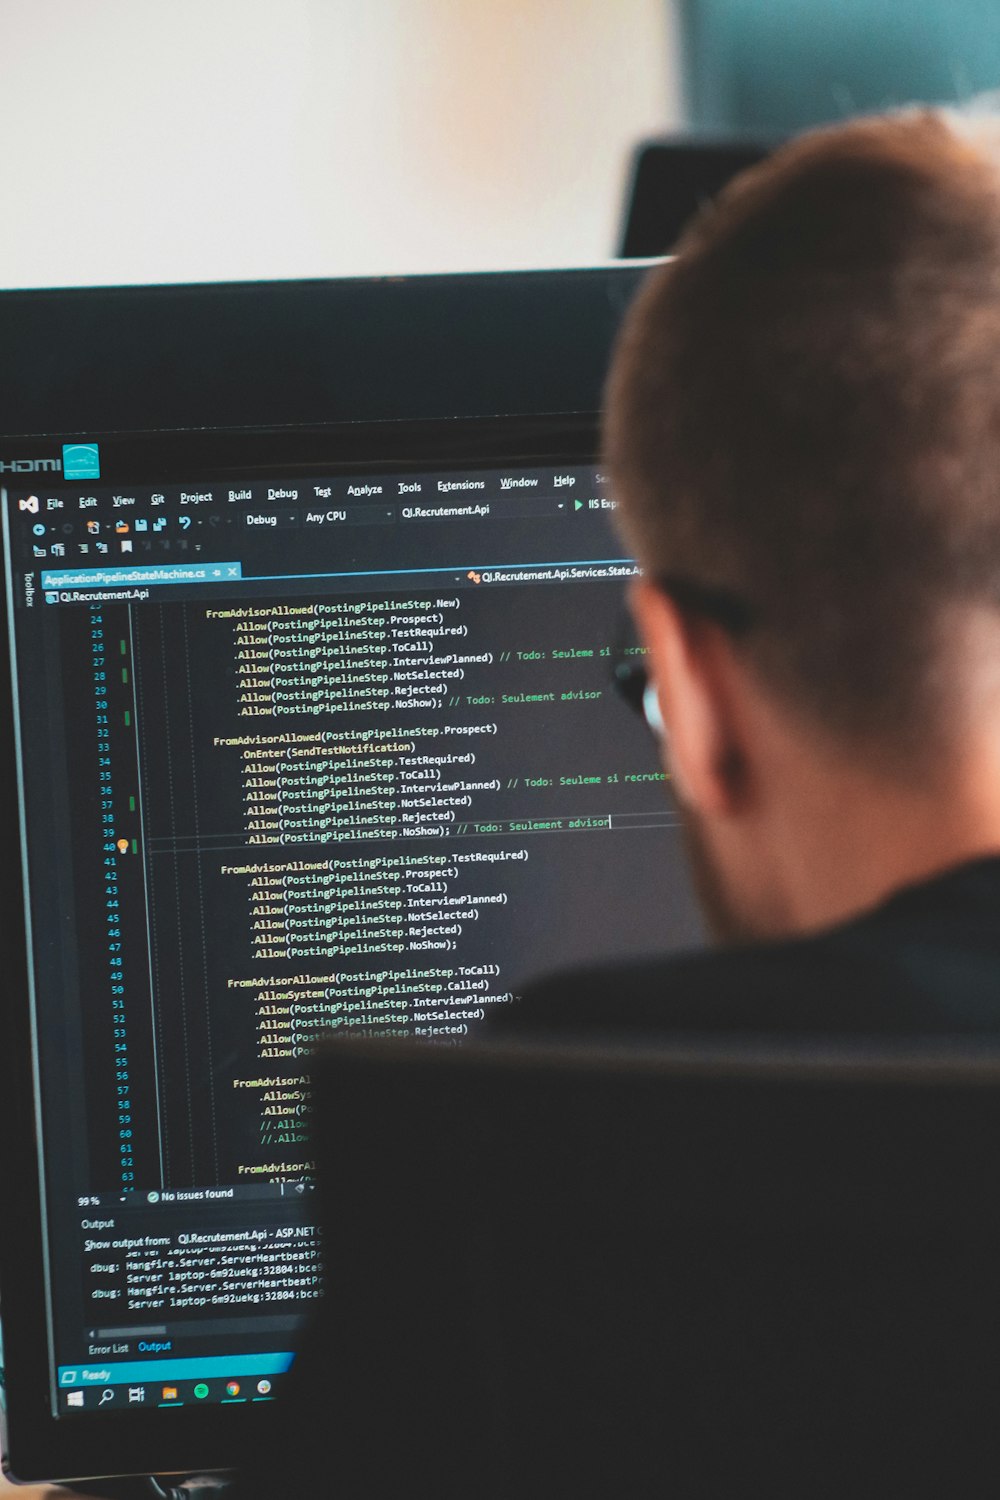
(316, 495)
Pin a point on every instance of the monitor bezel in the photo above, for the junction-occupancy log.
(37, 1445)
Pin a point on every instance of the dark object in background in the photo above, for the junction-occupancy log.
(671, 179)
(589, 1270)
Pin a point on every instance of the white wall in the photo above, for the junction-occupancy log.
(174, 140)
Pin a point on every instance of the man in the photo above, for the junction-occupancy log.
(803, 425)
(803, 428)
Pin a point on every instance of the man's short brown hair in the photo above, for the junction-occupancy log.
(804, 412)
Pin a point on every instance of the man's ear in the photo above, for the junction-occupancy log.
(692, 665)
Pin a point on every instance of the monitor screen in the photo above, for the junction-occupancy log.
(313, 730)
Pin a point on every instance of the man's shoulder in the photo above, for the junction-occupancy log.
(810, 986)
(928, 961)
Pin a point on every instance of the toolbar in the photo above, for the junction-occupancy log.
(138, 1384)
(134, 524)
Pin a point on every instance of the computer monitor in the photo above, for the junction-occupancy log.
(309, 726)
(672, 177)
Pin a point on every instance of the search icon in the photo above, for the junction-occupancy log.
(106, 1395)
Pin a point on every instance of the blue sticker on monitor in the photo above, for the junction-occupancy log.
(81, 461)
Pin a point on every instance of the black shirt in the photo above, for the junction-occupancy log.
(926, 962)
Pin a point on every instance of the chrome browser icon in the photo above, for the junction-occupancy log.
(81, 461)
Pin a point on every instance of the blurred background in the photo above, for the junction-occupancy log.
(232, 139)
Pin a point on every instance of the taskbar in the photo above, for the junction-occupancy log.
(138, 1385)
